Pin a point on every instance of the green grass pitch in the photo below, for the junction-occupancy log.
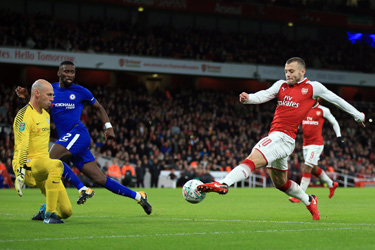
(243, 219)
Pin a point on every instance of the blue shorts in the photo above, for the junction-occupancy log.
(78, 141)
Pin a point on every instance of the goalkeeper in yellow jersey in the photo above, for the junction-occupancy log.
(31, 161)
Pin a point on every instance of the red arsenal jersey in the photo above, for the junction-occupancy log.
(294, 102)
(312, 127)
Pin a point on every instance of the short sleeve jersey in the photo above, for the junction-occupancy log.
(67, 106)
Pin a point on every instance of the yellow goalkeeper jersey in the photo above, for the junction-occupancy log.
(31, 135)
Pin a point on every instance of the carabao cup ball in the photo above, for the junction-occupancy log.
(190, 192)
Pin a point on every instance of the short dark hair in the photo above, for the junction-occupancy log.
(66, 63)
(298, 60)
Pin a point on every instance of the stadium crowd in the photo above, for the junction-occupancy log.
(124, 37)
(195, 132)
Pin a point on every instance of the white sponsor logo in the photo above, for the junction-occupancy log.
(309, 121)
(66, 105)
(288, 102)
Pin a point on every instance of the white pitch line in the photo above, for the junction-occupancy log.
(179, 234)
(275, 222)
(218, 220)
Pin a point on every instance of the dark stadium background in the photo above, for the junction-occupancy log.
(273, 30)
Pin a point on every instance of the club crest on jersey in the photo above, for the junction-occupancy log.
(304, 91)
(22, 127)
(318, 113)
(72, 96)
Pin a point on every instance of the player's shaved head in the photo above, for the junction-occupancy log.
(40, 85)
(41, 95)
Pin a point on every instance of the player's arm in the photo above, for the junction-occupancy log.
(109, 133)
(336, 127)
(22, 135)
(261, 96)
(323, 92)
(22, 92)
(328, 116)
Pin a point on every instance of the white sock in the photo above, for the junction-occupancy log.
(324, 177)
(305, 181)
(297, 192)
(239, 173)
(84, 188)
(138, 196)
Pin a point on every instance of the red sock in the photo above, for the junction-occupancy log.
(286, 186)
(306, 175)
(318, 171)
(250, 164)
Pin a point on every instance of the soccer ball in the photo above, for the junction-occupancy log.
(190, 192)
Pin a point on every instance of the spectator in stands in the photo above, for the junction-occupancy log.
(114, 171)
(128, 173)
(187, 174)
(206, 177)
(155, 169)
(140, 171)
(5, 179)
(172, 175)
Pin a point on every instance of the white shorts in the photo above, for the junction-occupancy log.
(276, 149)
(311, 154)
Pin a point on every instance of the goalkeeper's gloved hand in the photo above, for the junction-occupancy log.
(341, 142)
(20, 180)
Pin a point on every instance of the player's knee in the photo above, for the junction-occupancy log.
(66, 212)
(282, 184)
(57, 168)
(100, 179)
(96, 175)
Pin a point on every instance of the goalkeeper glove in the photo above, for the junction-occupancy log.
(341, 142)
(20, 180)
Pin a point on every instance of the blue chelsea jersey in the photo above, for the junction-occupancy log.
(67, 106)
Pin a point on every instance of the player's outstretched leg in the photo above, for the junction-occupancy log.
(41, 213)
(239, 173)
(144, 203)
(217, 187)
(313, 207)
(119, 189)
(332, 189)
(84, 192)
